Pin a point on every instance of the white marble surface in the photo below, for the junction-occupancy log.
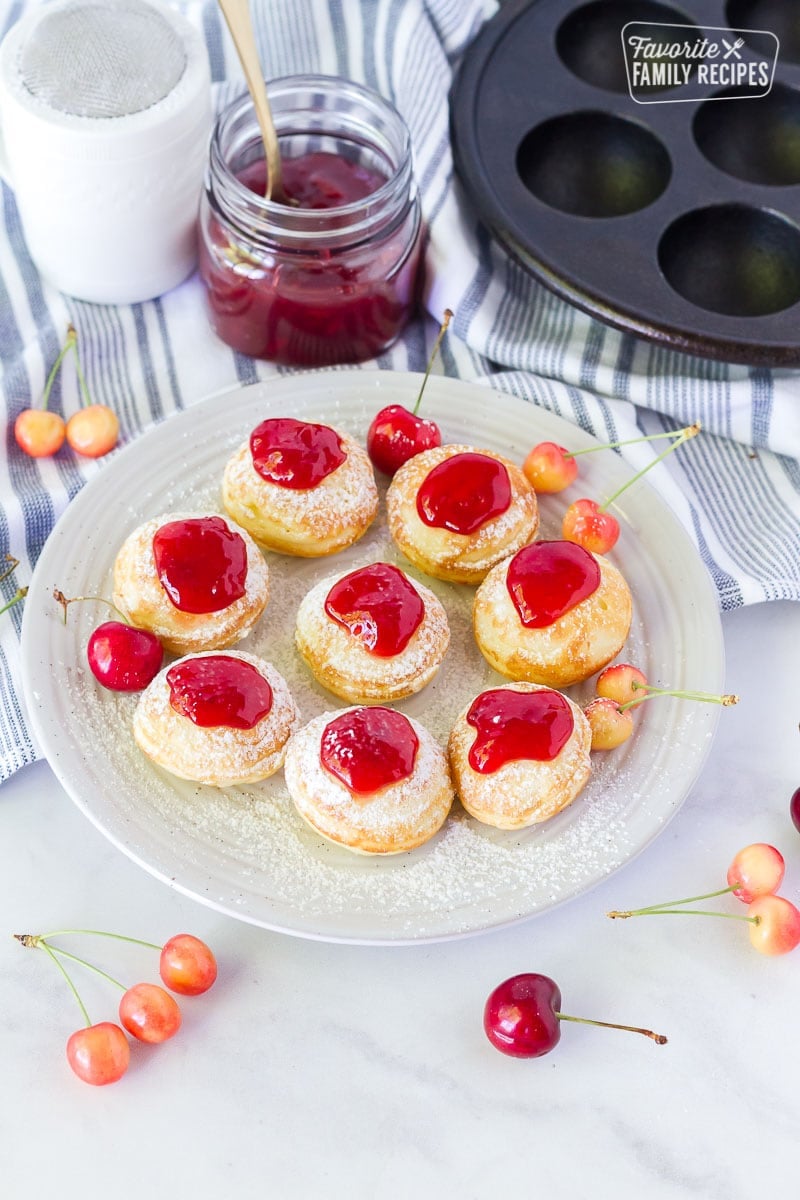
(323, 1071)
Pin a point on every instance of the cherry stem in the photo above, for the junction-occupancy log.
(68, 978)
(735, 887)
(83, 962)
(64, 601)
(119, 937)
(726, 701)
(86, 398)
(448, 315)
(14, 563)
(658, 1038)
(696, 912)
(683, 436)
(69, 342)
(650, 437)
(19, 594)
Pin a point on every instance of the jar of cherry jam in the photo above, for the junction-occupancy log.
(335, 277)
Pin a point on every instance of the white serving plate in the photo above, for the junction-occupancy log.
(244, 851)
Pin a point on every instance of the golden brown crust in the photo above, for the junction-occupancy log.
(306, 523)
(138, 594)
(456, 557)
(400, 817)
(523, 792)
(342, 665)
(217, 756)
(574, 647)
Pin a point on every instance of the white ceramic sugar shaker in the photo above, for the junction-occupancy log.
(105, 113)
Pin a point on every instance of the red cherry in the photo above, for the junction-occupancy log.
(99, 1054)
(794, 809)
(586, 524)
(396, 435)
(122, 657)
(550, 468)
(149, 1013)
(756, 870)
(521, 1016)
(187, 965)
(39, 433)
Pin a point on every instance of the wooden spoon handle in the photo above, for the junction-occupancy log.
(237, 17)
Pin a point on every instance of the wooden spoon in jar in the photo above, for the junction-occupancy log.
(237, 17)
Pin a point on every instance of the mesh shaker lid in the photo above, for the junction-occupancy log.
(102, 58)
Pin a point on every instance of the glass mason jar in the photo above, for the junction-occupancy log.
(312, 286)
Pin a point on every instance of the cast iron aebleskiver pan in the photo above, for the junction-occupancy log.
(676, 222)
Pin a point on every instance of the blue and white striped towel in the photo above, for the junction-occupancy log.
(737, 487)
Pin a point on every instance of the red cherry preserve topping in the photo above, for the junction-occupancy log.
(464, 492)
(295, 454)
(379, 606)
(513, 725)
(217, 689)
(201, 563)
(367, 749)
(547, 579)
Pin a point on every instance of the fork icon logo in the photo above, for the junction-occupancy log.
(732, 48)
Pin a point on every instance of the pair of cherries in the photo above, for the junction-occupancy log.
(753, 877)
(621, 688)
(92, 431)
(550, 468)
